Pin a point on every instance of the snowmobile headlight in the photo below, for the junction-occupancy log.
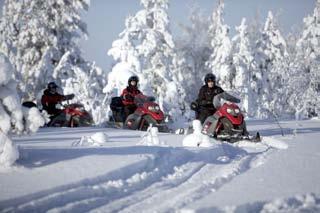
(229, 110)
(237, 111)
(153, 108)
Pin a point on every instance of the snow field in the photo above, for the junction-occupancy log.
(121, 174)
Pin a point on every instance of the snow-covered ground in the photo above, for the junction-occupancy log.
(115, 170)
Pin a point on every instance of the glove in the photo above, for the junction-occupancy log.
(69, 97)
(194, 106)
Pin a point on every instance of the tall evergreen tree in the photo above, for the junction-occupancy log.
(244, 65)
(270, 56)
(38, 37)
(308, 54)
(220, 61)
(194, 48)
(146, 48)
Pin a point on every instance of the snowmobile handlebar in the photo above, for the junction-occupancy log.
(226, 96)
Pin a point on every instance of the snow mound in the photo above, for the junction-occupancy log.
(8, 151)
(266, 143)
(275, 143)
(151, 137)
(197, 139)
(298, 203)
(251, 147)
(97, 139)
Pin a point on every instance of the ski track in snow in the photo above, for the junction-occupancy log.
(174, 176)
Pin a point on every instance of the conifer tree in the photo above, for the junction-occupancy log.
(220, 61)
(146, 48)
(270, 54)
(308, 55)
(193, 48)
(244, 65)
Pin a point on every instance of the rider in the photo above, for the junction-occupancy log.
(128, 95)
(51, 97)
(206, 95)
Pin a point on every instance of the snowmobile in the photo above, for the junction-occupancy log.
(227, 123)
(71, 115)
(147, 113)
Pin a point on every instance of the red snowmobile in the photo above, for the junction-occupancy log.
(147, 113)
(227, 123)
(72, 115)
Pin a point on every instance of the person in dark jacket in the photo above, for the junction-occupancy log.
(205, 97)
(128, 95)
(51, 98)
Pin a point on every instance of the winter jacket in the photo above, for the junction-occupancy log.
(128, 95)
(49, 101)
(206, 95)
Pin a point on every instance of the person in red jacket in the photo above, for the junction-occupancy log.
(128, 95)
(51, 98)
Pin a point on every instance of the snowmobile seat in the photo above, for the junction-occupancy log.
(116, 104)
(29, 104)
(117, 108)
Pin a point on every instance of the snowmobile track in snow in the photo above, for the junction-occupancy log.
(173, 176)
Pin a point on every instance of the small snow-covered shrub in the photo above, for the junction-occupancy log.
(13, 119)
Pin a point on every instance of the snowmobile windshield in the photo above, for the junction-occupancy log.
(217, 102)
(141, 99)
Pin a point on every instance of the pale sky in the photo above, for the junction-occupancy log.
(106, 18)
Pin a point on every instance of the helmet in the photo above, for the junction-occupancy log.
(52, 85)
(209, 77)
(133, 78)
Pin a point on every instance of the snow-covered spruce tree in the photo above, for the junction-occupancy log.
(244, 65)
(193, 48)
(308, 54)
(146, 48)
(85, 80)
(270, 56)
(42, 40)
(127, 59)
(26, 40)
(9, 30)
(13, 117)
(296, 80)
(255, 27)
(72, 71)
(220, 61)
